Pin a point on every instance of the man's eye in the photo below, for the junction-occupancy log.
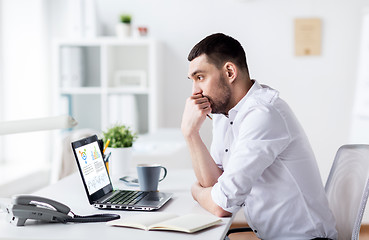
(200, 77)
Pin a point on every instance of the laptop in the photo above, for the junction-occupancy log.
(98, 185)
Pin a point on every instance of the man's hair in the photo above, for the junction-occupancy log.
(219, 49)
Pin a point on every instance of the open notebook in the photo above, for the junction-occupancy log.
(189, 223)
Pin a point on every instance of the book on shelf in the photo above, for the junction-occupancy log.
(189, 223)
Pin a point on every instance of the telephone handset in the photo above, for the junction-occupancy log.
(25, 207)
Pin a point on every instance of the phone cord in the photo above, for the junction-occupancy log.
(92, 218)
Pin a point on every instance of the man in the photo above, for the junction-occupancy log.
(260, 157)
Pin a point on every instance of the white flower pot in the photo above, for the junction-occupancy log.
(119, 162)
(123, 30)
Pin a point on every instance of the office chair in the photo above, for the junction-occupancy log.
(347, 190)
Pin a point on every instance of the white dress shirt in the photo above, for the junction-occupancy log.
(269, 167)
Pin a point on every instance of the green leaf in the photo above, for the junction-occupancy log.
(120, 136)
(125, 18)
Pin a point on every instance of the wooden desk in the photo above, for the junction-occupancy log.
(70, 191)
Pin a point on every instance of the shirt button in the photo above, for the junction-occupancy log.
(231, 123)
(226, 150)
(255, 231)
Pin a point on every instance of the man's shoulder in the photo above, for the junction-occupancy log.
(264, 109)
(264, 95)
(263, 98)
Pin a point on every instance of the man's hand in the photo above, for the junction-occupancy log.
(194, 114)
(203, 197)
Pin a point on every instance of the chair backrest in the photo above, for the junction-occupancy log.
(347, 188)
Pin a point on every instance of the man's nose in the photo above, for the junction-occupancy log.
(196, 89)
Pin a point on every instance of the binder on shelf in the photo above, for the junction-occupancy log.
(123, 110)
(71, 63)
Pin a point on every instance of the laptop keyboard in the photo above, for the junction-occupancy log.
(126, 197)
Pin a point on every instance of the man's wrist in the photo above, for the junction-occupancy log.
(195, 190)
(189, 136)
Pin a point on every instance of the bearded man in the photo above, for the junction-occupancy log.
(260, 157)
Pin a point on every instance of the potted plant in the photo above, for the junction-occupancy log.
(123, 28)
(121, 139)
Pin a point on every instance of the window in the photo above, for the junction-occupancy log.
(24, 85)
(1, 83)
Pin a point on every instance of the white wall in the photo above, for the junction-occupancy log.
(319, 89)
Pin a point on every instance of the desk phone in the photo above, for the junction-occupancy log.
(25, 207)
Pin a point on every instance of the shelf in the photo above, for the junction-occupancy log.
(127, 90)
(106, 41)
(97, 90)
(81, 90)
(106, 80)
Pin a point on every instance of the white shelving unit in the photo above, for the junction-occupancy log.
(98, 82)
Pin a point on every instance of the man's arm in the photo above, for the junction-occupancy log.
(206, 171)
(194, 115)
(203, 197)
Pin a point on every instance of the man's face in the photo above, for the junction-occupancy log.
(211, 83)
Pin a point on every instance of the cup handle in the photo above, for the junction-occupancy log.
(165, 173)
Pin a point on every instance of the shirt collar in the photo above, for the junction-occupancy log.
(233, 112)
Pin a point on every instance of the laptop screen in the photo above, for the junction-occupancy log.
(92, 167)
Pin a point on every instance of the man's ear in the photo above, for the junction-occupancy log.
(230, 71)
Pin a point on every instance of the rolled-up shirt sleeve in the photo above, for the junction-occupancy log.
(261, 137)
(220, 198)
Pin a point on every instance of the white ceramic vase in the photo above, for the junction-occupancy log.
(123, 30)
(119, 162)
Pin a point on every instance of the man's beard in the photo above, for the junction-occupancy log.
(220, 103)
